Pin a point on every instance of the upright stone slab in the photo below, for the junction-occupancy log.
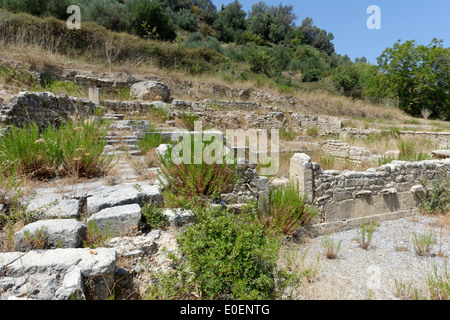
(301, 172)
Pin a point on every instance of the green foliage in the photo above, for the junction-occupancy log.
(439, 285)
(385, 160)
(313, 75)
(365, 233)
(312, 131)
(287, 133)
(150, 141)
(143, 15)
(70, 149)
(230, 255)
(418, 76)
(197, 40)
(287, 210)
(408, 151)
(154, 216)
(260, 60)
(186, 20)
(59, 87)
(423, 243)
(331, 247)
(230, 22)
(437, 196)
(186, 183)
(188, 120)
(95, 238)
(345, 78)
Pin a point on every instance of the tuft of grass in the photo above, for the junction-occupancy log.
(95, 238)
(365, 233)
(150, 141)
(287, 133)
(439, 285)
(312, 131)
(188, 120)
(331, 248)
(423, 243)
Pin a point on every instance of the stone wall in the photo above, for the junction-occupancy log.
(44, 108)
(249, 187)
(342, 150)
(323, 123)
(343, 199)
(442, 137)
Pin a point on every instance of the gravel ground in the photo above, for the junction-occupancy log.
(371, 274)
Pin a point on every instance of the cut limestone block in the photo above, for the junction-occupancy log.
(57, 233)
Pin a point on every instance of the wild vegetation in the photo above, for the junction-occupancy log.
(197, 38)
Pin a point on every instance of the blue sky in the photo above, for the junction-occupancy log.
(346, 19)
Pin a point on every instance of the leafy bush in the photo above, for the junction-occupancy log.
(150, 13)
(287, 210)
(313, 75)
(154, 216)
(230, 255)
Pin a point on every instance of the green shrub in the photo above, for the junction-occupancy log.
(287, 133)
(153, 215)
(287, 210)
(385, 160)
(365, 233)
(230, 255)
(408, 151)
(187, 183)
(150, 141)
(313, 75)
(70, 149)
(141, 13)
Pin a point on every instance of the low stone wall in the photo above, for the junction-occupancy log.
(44, 108)
(323, 123)
(442, 137)
(342, 150)
(343, 199)
(249, 187)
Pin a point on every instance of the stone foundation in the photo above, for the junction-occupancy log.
(343, 199)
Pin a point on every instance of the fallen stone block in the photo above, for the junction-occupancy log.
(179, 217)
(52, 206)
(117, 220)
(53, 274)
(119, 195)
(58, 233)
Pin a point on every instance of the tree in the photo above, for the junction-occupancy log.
(106, 13)
(419, 76)
(272, 23)
(230, 22)
(144, 15)
(345, 77)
